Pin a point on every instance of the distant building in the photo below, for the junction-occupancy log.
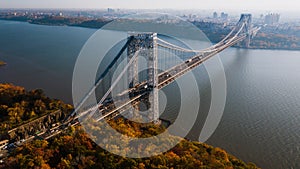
(110, 10)
(261, 16)
(215, 15)
(272, 18)
(224, 16)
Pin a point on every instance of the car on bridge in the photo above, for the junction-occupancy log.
(11, 146)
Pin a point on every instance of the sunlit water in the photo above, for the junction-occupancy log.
(261, 122)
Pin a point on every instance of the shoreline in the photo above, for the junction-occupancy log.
(95, 28)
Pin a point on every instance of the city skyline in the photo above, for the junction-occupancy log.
(266, 5)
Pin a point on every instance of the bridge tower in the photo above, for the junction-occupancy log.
(146, 44)
(247, 19)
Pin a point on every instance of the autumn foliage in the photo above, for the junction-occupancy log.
(18, 106)
(73, 148)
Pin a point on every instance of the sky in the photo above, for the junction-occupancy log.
(250, 5)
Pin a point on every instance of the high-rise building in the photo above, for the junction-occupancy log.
(109, 10)
(224, 16)
(215, 15)
(272, 18)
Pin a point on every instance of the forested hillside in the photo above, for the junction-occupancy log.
(74, 149)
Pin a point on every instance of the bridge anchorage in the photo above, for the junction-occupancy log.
(158, 55)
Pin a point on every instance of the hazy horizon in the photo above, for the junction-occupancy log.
(266, 5)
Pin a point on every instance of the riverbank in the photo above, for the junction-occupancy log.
(280, 40)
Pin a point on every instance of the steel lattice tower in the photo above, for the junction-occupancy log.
(247, 19)
(146, 45)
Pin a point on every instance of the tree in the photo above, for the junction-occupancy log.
(16, 113)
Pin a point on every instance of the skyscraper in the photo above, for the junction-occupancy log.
(215, 15)
(272, 18)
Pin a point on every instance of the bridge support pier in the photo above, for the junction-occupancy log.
(146, 44)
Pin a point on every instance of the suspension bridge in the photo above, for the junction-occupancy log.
(155, 50)
(129, 88)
